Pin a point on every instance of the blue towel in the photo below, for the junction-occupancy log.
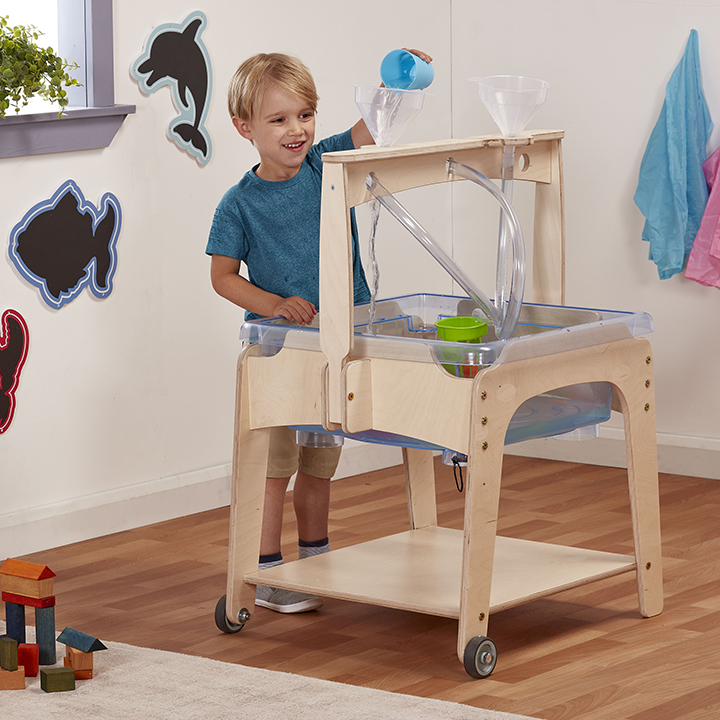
(672, 192)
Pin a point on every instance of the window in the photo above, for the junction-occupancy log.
(85, 36)
(43, 14)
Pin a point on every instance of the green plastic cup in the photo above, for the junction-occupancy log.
(461, 329)
(464, 330)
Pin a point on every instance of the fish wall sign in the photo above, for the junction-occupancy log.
(65, 243)
(175, 56)
(14, 342)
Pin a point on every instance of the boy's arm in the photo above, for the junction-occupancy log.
(227, 282)
(361, 135)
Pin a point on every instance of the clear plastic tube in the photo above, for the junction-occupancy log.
(427, 241)
(503, 256)
(510, 309)
(504, 317)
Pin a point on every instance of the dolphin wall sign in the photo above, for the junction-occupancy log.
(65, 243)
(176, 57)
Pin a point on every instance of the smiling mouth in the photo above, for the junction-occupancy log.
(294, 146)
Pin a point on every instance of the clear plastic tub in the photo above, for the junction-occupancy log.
(404, 329)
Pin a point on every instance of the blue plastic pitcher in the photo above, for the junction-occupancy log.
(405, 71)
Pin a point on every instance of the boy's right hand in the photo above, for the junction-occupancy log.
(422, 55)
(295, 309)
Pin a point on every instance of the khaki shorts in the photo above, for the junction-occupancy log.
(285, 456)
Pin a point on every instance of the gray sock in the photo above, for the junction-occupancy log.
(268, 561)
(317, 547)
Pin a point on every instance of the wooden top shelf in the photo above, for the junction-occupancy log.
(373, 152)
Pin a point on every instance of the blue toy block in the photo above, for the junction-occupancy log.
(15, 621)
(45, 634)
(80, 641)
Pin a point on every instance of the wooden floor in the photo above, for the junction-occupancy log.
(583, 654)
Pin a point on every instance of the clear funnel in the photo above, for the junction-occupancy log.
(511, 100)
(387, 111)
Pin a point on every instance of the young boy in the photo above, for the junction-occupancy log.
(270, 221)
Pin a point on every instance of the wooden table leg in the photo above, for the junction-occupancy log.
(249, 470)
(420, 487)
(482, 498)
(637, 399)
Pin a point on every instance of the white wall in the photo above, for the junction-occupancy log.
(608, 64)
(124, 411)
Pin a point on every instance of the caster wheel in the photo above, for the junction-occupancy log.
(480, 657)
(221, 619)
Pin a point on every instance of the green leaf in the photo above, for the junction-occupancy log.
(28, 70)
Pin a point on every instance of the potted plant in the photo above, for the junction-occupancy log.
(28, 70)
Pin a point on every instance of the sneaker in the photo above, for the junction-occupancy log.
(285, 601)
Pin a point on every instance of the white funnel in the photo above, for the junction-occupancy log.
(511, 100)
(387, 111)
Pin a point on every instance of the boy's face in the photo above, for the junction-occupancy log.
(282, 131)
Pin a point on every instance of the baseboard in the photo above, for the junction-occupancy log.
(39, 528)
(677, 454)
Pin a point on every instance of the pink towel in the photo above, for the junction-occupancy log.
(704, 261)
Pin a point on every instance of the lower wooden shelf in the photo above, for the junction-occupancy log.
(420, 570)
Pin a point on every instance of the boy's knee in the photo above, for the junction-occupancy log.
(285, 457)
(319, 463)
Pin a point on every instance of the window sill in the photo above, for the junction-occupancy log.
(78, 129)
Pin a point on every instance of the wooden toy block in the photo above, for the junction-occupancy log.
(78, 660)
(45, 634)
(80, 640)
(79, 674)
(15, 621)
(27, 587)
(29, 658)
(12, 680)
(28, 601)
(24, 578)
(8, 653)
(57, 679)
(22, 568)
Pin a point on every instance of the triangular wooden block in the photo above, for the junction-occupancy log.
(80, 640)
(23, 569)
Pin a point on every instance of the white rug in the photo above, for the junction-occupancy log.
(132, 683)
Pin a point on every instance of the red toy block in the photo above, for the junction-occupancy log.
(28, 601)
(29, 658)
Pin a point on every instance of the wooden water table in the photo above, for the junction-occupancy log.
(557, 372)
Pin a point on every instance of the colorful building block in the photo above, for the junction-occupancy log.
(81, 673)
(78, 660)
(12, 680)
(45, 634)
(28, 601)
(57, 679)
(15, 621)
(80, 640)
(29, 658)
(8, 653)
(24, 578)
(25, 584)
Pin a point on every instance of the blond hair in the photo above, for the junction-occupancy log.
(258, 72)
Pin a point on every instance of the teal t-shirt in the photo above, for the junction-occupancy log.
(274, 228)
